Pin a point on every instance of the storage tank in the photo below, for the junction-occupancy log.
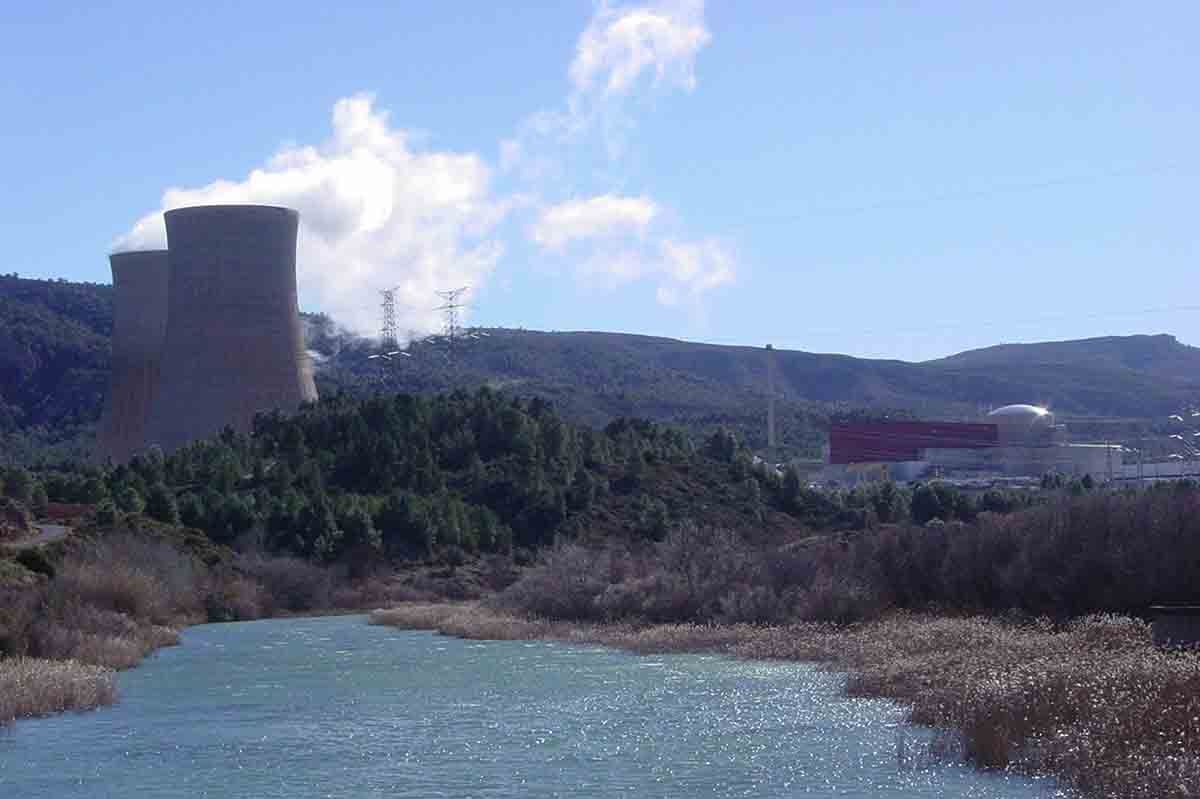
(233, 344)
(139, 322)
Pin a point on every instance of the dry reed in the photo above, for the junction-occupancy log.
(35, 687)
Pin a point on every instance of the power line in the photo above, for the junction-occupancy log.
(451, 305)
(388, 337)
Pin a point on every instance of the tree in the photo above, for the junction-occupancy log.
(93, 491)
(106, 513)
(926, 504)
(722, 446)
(319, 531)
(654, 519)
(18, 485)
(128, 499)
(582, 491)
(40, 501)
(160, 504)
(791, 490)
(752, 494)
(889, 503)
(633, 474)
(191, 510)
(360, 541)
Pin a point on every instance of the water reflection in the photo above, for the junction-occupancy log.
(335, 708)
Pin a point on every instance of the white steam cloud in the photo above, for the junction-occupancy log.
(377, 212)
(374, 213)
(682, 272)
(612, 238)
(620, 44)
(622, 50)
(597, 216)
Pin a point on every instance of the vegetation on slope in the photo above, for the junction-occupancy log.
(54, 351)
(1107, 551)
(54, 355)
(361, 481)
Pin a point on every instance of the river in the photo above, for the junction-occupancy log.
(333, 707)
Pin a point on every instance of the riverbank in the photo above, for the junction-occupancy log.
(74, 612)
(1092, 703)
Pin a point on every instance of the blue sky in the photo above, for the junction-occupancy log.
(879, 179)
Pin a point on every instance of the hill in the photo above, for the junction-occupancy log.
(1160, 356)
(54, 361)
(54, 354)
(594, 377)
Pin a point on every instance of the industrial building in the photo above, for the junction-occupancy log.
(207, 333)
(1013, 441)
(139, 323)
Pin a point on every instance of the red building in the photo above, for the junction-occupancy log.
(894, 442)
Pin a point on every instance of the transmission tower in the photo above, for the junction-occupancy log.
(451, 305)
(388, 338)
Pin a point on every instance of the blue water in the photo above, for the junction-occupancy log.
(333, 707)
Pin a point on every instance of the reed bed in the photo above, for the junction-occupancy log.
(32, 687)
(475, 621)
(1093, 703)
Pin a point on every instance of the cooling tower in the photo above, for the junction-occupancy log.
(139, 322)
(233, 344)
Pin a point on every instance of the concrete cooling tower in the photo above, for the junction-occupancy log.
(139, 322)
(233, 343)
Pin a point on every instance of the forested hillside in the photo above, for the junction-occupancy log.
(594, 377)
(54, 356)
(410, 477)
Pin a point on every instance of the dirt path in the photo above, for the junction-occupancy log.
(46, 533)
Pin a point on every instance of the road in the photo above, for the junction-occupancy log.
(46, 533)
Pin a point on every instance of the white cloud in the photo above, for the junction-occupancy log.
(620, 44)
(374, 213)
(622, 49)
(606, 270)
(616, 240)
(692, 269)
(614, 249)
(595, 217)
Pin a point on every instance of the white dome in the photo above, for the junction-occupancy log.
(1021, 425)
(1026, 412)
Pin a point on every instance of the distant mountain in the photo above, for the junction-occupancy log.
(595, 376)
(1112, 375)
(1162, 355)
(54, 360)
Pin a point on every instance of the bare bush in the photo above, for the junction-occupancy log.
(695, 574)
(19, 610)
(231, 596)
(116, 587)
(563, 585)
(291, 584)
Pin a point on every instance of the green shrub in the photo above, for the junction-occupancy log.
(35, 559)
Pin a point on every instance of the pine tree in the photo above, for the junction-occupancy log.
(160, 504)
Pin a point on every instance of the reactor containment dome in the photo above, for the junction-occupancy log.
(233, 344)
(1021, 424)
(139, 323)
